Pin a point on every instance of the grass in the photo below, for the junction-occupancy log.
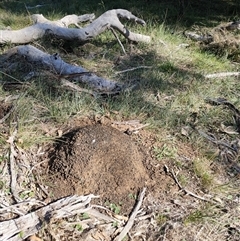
(202, 170)
(170, 95)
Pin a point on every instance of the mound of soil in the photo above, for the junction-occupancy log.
(98, 159)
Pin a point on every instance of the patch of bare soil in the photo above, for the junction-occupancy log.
(101, 160)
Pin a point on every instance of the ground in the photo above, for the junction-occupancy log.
(103, 158)
(161, 133)
(116, 160)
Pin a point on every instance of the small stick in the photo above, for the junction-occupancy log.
(10, 76)
(139, 67)
(215, 141)
(72, 86)
(222, 75)
(12, 155)
(184, 189)
(114, 33)
(133, 215)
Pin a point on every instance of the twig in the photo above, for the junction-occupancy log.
(72, 86)
(197, 235)
(37, 6)
(164, 230)
(134, 125)
(132, 69)
(12, 155)
(184, 189)
(222, 75)
(215, 141)
(114, 33)
(225, 102)
(133, 215)
(10, 76)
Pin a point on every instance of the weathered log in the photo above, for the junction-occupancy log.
(43, 27)
(56, 65)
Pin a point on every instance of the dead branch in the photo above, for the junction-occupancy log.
(12, 155)
(219, 40)
(114, 33)
(56, 65)
(187, 192)
(30, 223)
(214, 140)
(129, 127)
(133, 215)
(132, 69)
(226, 103)
(44, 27)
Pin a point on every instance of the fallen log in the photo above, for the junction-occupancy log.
(58, 29)
(61, 69)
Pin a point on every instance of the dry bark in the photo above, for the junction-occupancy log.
(43, 27)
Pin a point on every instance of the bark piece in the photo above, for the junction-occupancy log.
(45, 27)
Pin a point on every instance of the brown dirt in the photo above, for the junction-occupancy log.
(98, 157)
(101, 160)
